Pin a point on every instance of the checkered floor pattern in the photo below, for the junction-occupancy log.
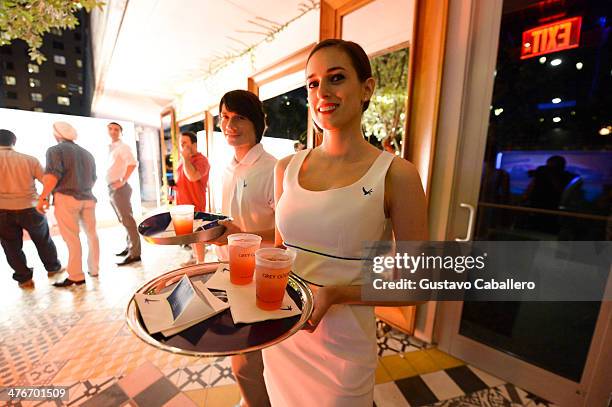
(77, 337)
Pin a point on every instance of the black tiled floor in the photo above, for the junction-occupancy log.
(416, 391)
(466, 379)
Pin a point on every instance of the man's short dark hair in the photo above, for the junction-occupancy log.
(246, 104)
(116, 124)
(192, 136)
(7, 138)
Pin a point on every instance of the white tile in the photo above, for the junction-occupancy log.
(441, 385)
(221, 373)
(389, 395)
(195, 377)
(488, 379)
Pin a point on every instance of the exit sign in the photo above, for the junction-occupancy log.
(557, 36)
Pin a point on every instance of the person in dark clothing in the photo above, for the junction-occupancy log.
(17, 212)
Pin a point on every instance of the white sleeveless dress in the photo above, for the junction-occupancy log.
(335, 365)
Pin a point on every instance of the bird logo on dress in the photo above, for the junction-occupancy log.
(367, 191)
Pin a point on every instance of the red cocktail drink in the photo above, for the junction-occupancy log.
(272, 273)
(242, 247)
(182, 219)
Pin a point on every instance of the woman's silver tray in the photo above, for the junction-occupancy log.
(154, 229)
(218, 335)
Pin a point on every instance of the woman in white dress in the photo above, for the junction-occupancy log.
(330, 200)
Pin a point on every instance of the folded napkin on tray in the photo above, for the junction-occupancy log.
(242, 299)
(174, 311)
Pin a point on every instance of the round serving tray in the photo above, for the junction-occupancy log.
(153, 229)
(218, 335)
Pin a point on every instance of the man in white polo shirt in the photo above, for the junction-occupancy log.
(121, 165)
(248, 197)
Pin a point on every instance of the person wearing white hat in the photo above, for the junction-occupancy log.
(70, 174)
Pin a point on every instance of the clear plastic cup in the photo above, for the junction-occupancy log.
(242, 247)
(271, 275)
(182, 218)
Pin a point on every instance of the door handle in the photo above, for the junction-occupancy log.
(470, 227)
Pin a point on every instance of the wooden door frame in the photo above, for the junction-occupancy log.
(168, 110)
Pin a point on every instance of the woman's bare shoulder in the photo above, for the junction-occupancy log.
(281, 165)
(403, 172)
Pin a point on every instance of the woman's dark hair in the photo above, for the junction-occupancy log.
(7, 138)
(246, 104)
(357, 55)
(192, 136)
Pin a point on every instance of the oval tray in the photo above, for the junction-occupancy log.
(218, 335)
(153, 229)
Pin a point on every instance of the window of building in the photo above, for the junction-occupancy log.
(59, 59)
(36, 97)
(33, 68)
(11, 95)
(60, 73)
(34, 83)
(58, 45)
(80, 90)
(288, 115)
(79, 63)
(56, 31)
(38, 109)
(63, 100)
(8, 65)
(62, 87)
(77, 50)
(10, 80)
(79, 76)
(6, 50)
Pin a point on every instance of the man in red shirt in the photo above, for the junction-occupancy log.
(191, 181)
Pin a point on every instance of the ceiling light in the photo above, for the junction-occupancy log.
(604, 131)
(556, 100)
(579, 65)
(556, 119)
(542, 60)
(499, 111)
(555, 62)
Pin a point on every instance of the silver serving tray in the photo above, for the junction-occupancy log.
(153, 229)
(218, 335)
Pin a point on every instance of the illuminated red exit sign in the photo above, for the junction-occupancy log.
(557, 36)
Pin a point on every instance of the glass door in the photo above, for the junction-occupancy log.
(546, 175)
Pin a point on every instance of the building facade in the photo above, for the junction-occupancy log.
(61, 84)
